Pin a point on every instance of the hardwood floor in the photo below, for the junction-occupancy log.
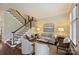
(6, 50)
(53, 50)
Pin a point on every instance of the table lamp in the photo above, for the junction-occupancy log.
(60, 31)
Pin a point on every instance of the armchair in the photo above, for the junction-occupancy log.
(63, 46)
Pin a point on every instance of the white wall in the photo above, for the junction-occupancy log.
(0, 24)
(58, 21)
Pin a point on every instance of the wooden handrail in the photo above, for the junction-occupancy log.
(21, 26)
(21, 16)
(29, 20)
(18, 29)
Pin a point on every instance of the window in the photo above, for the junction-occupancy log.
(74, 14)
(73, 17)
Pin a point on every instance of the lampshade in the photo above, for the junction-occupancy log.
(61, 29)
(38, 29)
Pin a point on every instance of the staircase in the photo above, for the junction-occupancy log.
(17, 15)
(17, 36)
(18, 33)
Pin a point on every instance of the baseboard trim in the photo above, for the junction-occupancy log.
(11, 45)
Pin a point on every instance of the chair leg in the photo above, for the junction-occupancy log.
(57, 50)
(68, 51)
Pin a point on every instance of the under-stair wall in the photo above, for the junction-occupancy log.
(10, 24)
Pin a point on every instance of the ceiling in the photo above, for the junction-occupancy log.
(38, 10)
